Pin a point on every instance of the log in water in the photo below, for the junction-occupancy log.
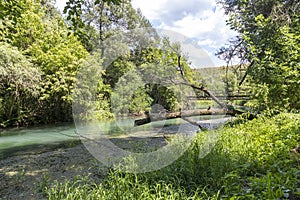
(188, 113)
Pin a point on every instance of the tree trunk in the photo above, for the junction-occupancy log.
(188, 113)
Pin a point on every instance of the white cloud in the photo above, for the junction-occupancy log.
(203, 20)
(177, 9)
(60, 4)
(196, 54)
(150, 8)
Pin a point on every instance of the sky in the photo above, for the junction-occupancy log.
(201, 21)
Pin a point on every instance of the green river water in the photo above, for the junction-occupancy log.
(42, 138)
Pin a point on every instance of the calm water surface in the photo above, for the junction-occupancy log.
(24, 139)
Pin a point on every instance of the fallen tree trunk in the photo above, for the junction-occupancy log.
(225, 109)
(188, 113)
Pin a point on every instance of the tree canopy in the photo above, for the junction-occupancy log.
(41, 37)
(59, 46)
(53, 49)
(269, 43)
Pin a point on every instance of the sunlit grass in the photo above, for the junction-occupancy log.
(251, 160)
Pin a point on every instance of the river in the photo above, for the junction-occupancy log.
(42, 138)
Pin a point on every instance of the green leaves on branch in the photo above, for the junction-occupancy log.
(40, 34)
(73, 10)
(19, 85)
(43, 42)
(129, 95)
(117, 2)
(278, 68)
(81, 13)
(269, 38)
(90, 99)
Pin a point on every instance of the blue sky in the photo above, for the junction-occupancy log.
(201, 20)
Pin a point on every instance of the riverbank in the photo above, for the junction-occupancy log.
(22, 175)
(251, 160)
(25, 171)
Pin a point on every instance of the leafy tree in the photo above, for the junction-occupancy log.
(116, 70)
(80, 12)
(19, 85)
(129, 95)
(16, 14)
(90, 99)
(105, 25)
(269, 41)
(58, 55)
(230, 82)
(159, 65)
(41, 34)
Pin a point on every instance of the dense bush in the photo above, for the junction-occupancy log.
(19, 86)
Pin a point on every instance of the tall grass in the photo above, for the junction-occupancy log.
(251, 160)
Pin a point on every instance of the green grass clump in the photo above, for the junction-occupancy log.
(251, 160)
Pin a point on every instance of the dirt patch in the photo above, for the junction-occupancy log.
(22, 176)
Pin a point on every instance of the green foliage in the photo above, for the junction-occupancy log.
(73, 11)
(129, 95)
(159, 65)
(141, 101)
(58, 55)
(147, 76)
(116, 70)
(41, 34)
(231, 84)
(250, 161)
(164, 96)
(94, 21)
(10, 14)
(19, 84)
(90, 100)
(224, 80)
(212, 78)
(279, 70)
(38, 30)
(269, 38)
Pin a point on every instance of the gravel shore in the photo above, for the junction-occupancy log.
(21, 176)
(24, 173)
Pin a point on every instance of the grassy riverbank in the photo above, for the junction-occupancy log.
(251, 160)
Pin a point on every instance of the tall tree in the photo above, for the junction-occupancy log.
(40, 33)
(75, 9)
(268, 43)
(19, 85)
(104, 22)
